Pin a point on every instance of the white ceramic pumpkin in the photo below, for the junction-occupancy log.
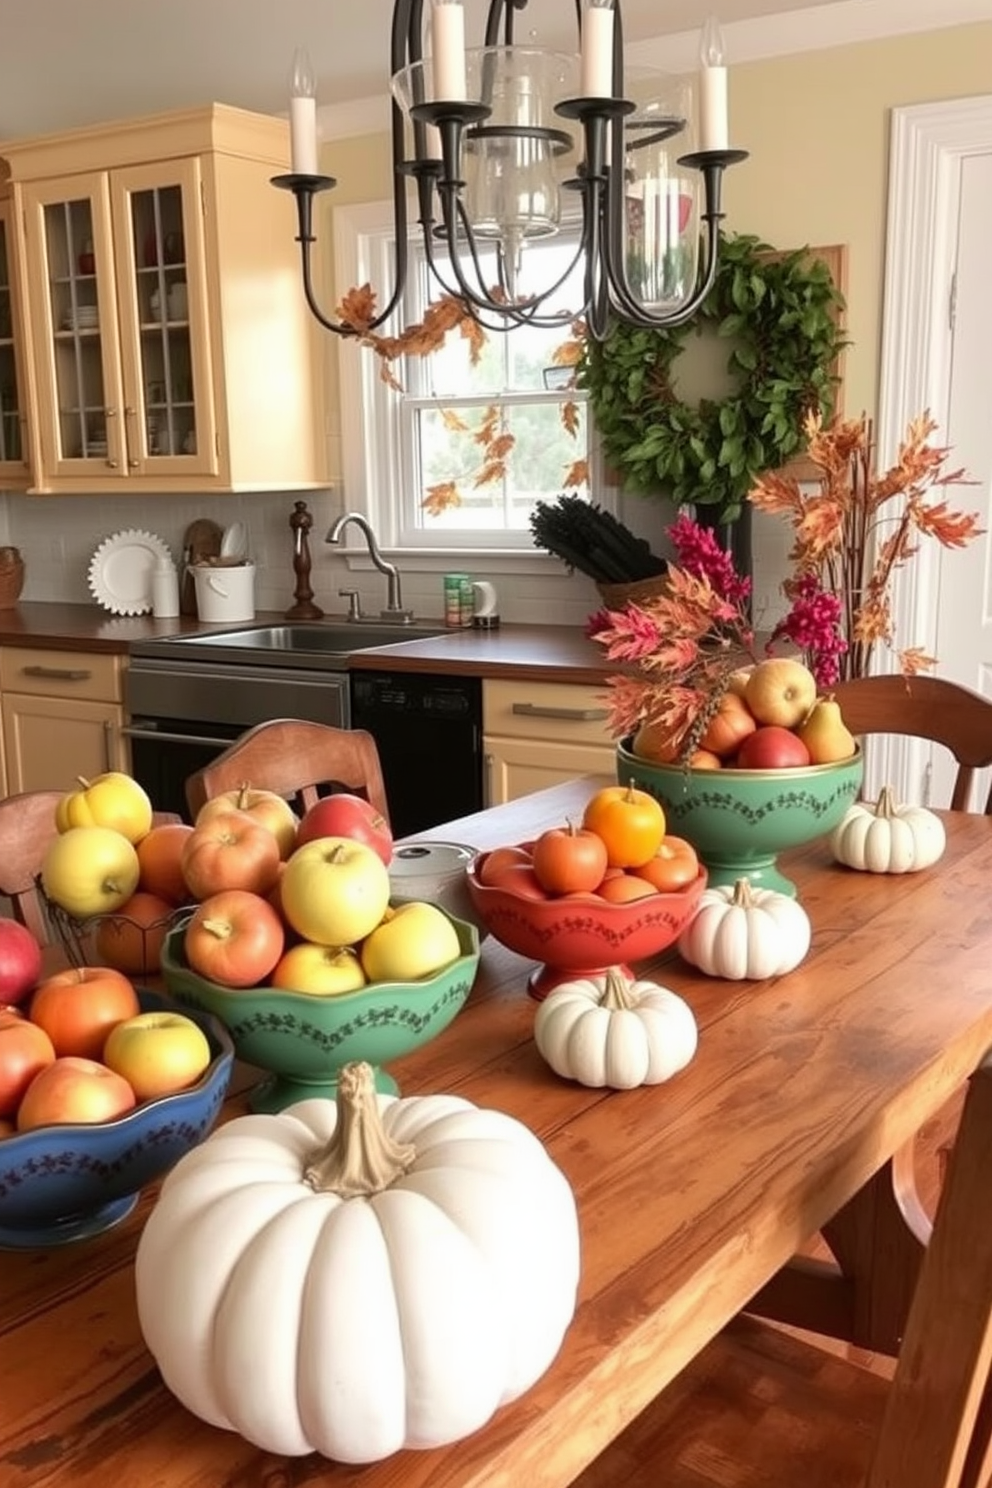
(611, 1031)
(744, 933)
(358, 1278)
(885, 837)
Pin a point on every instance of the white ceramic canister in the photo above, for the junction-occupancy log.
(435, 871)
(225, 593)
(165, 589)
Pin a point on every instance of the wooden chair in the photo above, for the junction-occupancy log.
(925, 708)
(761, 1408)
(27, 826)
(293, 759)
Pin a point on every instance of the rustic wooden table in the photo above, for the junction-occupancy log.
(692, 1196)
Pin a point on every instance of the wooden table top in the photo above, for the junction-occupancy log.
(691, 1195)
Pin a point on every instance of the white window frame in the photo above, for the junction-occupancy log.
(376, 439)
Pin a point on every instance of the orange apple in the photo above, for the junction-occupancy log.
(263, 806)
(780, 691)
(230, 850)
(625, 888)
(157, 1053)
(25, 1050)
(78, 1007)
(75, 1091)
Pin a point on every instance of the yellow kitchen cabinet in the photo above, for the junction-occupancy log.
(536, 734)
(167, 334)
(62, 717)
(14, 470)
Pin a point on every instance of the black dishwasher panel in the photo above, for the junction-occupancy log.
(428, 730)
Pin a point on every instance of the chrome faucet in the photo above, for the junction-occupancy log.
(394, 596)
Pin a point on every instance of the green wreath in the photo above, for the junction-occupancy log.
(781, 312)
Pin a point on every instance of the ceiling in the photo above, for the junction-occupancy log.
(65, 63)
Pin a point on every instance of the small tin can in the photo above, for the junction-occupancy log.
(454, 588)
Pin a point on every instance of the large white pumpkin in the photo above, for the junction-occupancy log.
(358, 1278)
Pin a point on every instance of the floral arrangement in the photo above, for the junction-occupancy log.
(682, 644)
(680, 647)
(851, 535)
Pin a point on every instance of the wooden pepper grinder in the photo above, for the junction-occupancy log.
(304, 609)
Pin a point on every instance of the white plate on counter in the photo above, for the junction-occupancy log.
(120, 574)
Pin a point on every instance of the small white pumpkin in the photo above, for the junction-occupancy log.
(885, 837)
(355, 1278)
(611, 1031)
(744, 933)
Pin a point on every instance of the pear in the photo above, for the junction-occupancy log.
(825, 733)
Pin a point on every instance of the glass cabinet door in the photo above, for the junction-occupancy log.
(164, 329)
(70, 269)
(77, 306)
(13, 458)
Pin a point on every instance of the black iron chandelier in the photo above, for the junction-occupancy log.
(480, 137)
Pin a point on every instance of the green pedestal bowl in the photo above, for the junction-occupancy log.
(303, 1040)
(740, 820)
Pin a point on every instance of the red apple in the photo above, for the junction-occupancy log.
(20, 961)
(772, 748)
(77, 1091)
(230, 850)
(344, 815)
(78, 1007)
(234, 938)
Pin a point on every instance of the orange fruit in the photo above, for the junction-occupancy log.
(130, 940)
(159, 861)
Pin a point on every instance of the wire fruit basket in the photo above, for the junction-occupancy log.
(138, 943)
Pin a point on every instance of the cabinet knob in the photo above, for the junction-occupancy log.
(112, 464)
(110, 413)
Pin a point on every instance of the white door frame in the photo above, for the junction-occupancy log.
(927, 144)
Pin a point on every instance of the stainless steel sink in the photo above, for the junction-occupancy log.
(338, 640)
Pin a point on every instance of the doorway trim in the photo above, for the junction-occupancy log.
(927, 145)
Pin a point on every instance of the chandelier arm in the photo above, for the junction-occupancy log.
(625, 305)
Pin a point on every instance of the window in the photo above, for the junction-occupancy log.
(400, 447)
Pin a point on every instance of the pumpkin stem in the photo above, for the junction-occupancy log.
(743, 896)
(885, 806)
(360, 1159)
(616, 994)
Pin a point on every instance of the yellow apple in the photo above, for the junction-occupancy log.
(111, 800)
(334, 891)
(157, 1053)
(323, 971)
(90, 870)
(264, 806)
(780, 691)
(74, 1090)
(414, 940)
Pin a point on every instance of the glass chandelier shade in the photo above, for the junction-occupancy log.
(503, 144)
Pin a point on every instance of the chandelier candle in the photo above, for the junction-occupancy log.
(448, 44)
(303, 116)
(597, 49)
(713, 129)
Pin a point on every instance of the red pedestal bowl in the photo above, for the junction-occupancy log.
(580, 934)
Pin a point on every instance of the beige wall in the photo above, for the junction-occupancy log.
(817, 127)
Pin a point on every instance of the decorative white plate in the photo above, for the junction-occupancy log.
(120, 574)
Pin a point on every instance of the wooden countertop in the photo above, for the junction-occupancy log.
(538, 652)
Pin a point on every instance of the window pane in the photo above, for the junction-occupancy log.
(543, 451)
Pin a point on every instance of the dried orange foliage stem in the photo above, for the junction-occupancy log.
(852, 533)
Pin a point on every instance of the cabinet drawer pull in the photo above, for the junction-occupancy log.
(58, 674)
(541, 710)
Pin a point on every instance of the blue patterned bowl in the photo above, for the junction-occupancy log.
(739, 820)
(304, 1039)
(62, 1183)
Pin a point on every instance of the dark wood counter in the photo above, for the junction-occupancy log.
(540, 652)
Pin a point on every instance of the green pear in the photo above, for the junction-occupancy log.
(825, 733)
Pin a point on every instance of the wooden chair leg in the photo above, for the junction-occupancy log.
(932, 1410)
